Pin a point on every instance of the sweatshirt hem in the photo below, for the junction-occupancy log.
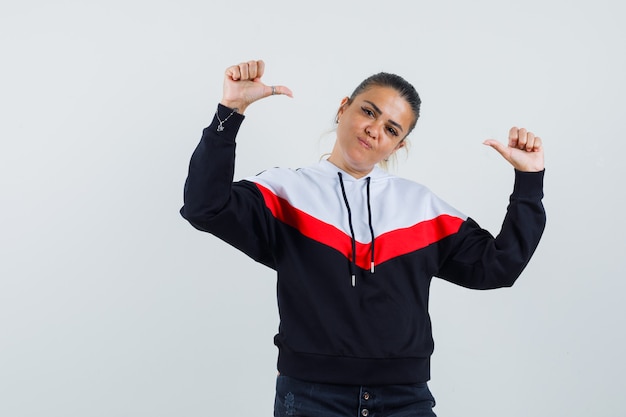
(344, 370)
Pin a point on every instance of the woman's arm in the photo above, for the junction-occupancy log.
(478, 260)
(234, 212)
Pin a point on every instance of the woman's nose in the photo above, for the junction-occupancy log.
(372, 131)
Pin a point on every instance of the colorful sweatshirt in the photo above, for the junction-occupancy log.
(354, 257)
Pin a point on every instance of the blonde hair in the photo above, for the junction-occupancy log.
(392, 162)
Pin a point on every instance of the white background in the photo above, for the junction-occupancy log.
(112, 305)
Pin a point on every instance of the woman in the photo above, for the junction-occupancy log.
(355, 248)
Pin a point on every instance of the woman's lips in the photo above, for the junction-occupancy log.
(365, 143)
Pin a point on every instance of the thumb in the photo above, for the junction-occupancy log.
(274, 90)
(502, 149)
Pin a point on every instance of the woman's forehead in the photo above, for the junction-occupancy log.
(387, 100)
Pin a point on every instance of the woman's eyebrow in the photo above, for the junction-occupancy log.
(396, 124)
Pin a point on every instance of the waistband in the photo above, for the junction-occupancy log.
(353, 371)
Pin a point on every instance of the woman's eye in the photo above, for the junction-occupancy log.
(393, 131)
(367, 111)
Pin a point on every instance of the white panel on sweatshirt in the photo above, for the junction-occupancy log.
(396, 202)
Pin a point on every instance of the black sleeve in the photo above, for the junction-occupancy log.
(234, 212)
(478, 260)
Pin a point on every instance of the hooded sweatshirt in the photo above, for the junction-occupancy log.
(354, 257)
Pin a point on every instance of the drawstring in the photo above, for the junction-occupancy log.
(369, 218)
(353, 260)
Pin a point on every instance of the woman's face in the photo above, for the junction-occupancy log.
(370, 129)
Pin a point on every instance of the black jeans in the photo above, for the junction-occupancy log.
(307, 399)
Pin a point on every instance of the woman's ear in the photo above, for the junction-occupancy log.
(344, 103)
(395, 149)
(399, 145)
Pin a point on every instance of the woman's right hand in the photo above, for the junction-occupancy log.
(243, 86)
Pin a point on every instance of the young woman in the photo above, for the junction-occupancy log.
(355, 248)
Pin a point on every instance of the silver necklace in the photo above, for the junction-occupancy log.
(220, 126)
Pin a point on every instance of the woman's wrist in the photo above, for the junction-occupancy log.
(237, 106)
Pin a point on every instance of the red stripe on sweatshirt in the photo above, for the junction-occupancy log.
(387, 246)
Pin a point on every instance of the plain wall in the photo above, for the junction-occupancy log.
(112, 305)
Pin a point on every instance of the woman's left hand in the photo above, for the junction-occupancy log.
(524, 151)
